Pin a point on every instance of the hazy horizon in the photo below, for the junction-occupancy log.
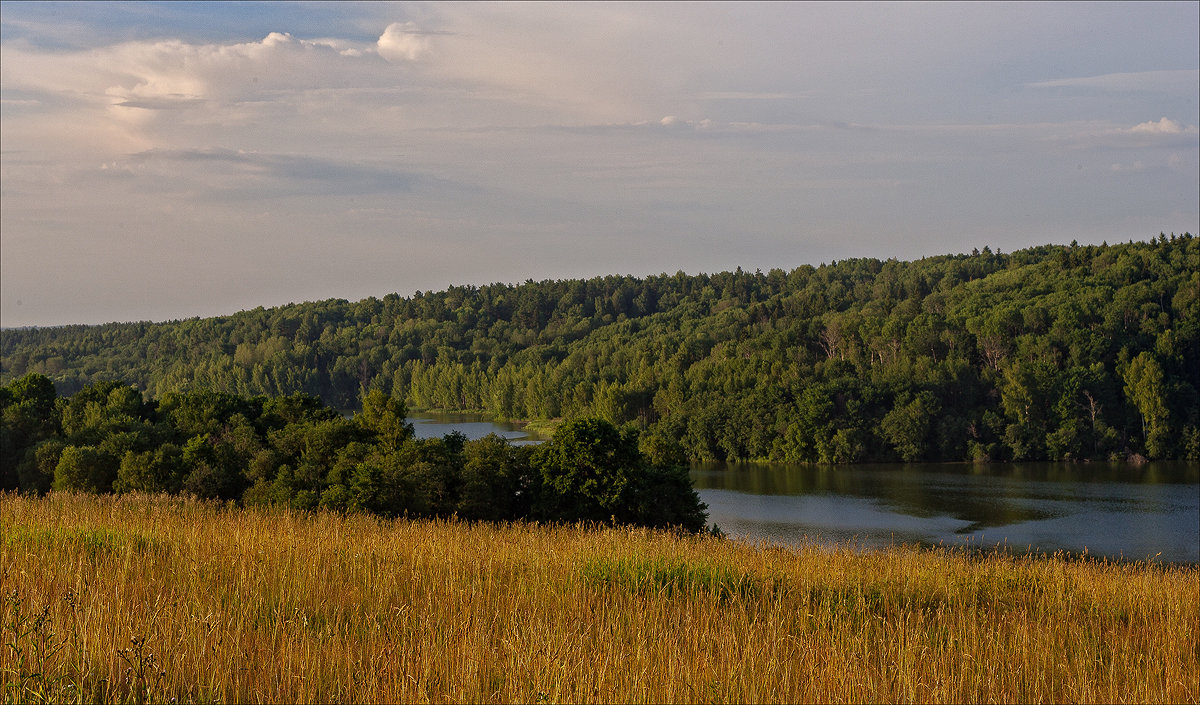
(410, 294)
(162, 161)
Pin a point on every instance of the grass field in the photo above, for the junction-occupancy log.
(149, 599)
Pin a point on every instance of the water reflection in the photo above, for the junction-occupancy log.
(1113, 510)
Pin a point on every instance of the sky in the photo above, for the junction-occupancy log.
(167, 160)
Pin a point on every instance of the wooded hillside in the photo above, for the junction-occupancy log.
(1053, 352)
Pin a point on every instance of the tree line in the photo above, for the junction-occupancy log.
(1057, 352)
(297, 452)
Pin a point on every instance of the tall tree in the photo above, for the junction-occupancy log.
(1144, 387)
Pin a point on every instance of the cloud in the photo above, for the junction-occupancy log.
(1136, 167)
(1164, 126)
(241, 175)
(747, 95)
(174, 69)
(1164, 133)
(402, 41)
(1179, 81)
(168, 93)
(674, 122)
(419, 145)
(165, 102)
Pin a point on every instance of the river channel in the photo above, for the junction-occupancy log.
(1112, 510)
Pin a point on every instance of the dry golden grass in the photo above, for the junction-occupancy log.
(142, 599)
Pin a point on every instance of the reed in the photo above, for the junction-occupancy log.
(152, 599)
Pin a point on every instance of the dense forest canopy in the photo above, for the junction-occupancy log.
(1052, 352)
(294, 451)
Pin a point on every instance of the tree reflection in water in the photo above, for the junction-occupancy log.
(1116, 510)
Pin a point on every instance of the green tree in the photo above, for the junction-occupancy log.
(1025, 397)
(158, 470)
(663, 496)
(85, 469)
(1145, 388)
(387, 418)
(37, 472)
(585, 471)
(27, 417)
(592, 471)
(908, 424)
(495, 480)
(213, 472)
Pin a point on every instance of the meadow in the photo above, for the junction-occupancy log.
(150, 598)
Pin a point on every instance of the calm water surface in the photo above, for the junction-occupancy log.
(1117, 510)
(473, 426)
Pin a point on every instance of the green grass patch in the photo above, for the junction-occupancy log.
(672, 576)
(94, 542)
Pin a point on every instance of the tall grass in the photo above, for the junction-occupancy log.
(149, 599)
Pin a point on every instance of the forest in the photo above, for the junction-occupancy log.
(296, 452)
(1056, 352)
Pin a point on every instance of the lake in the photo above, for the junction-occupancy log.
(473, 426)
(1113, 510)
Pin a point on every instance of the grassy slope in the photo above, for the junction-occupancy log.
(230, 604)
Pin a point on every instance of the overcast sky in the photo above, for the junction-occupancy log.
(163, 161)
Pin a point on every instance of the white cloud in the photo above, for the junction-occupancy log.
(675, 122)
(402, 41)
(1164, 126)
(169, 93)
(1164, 133)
